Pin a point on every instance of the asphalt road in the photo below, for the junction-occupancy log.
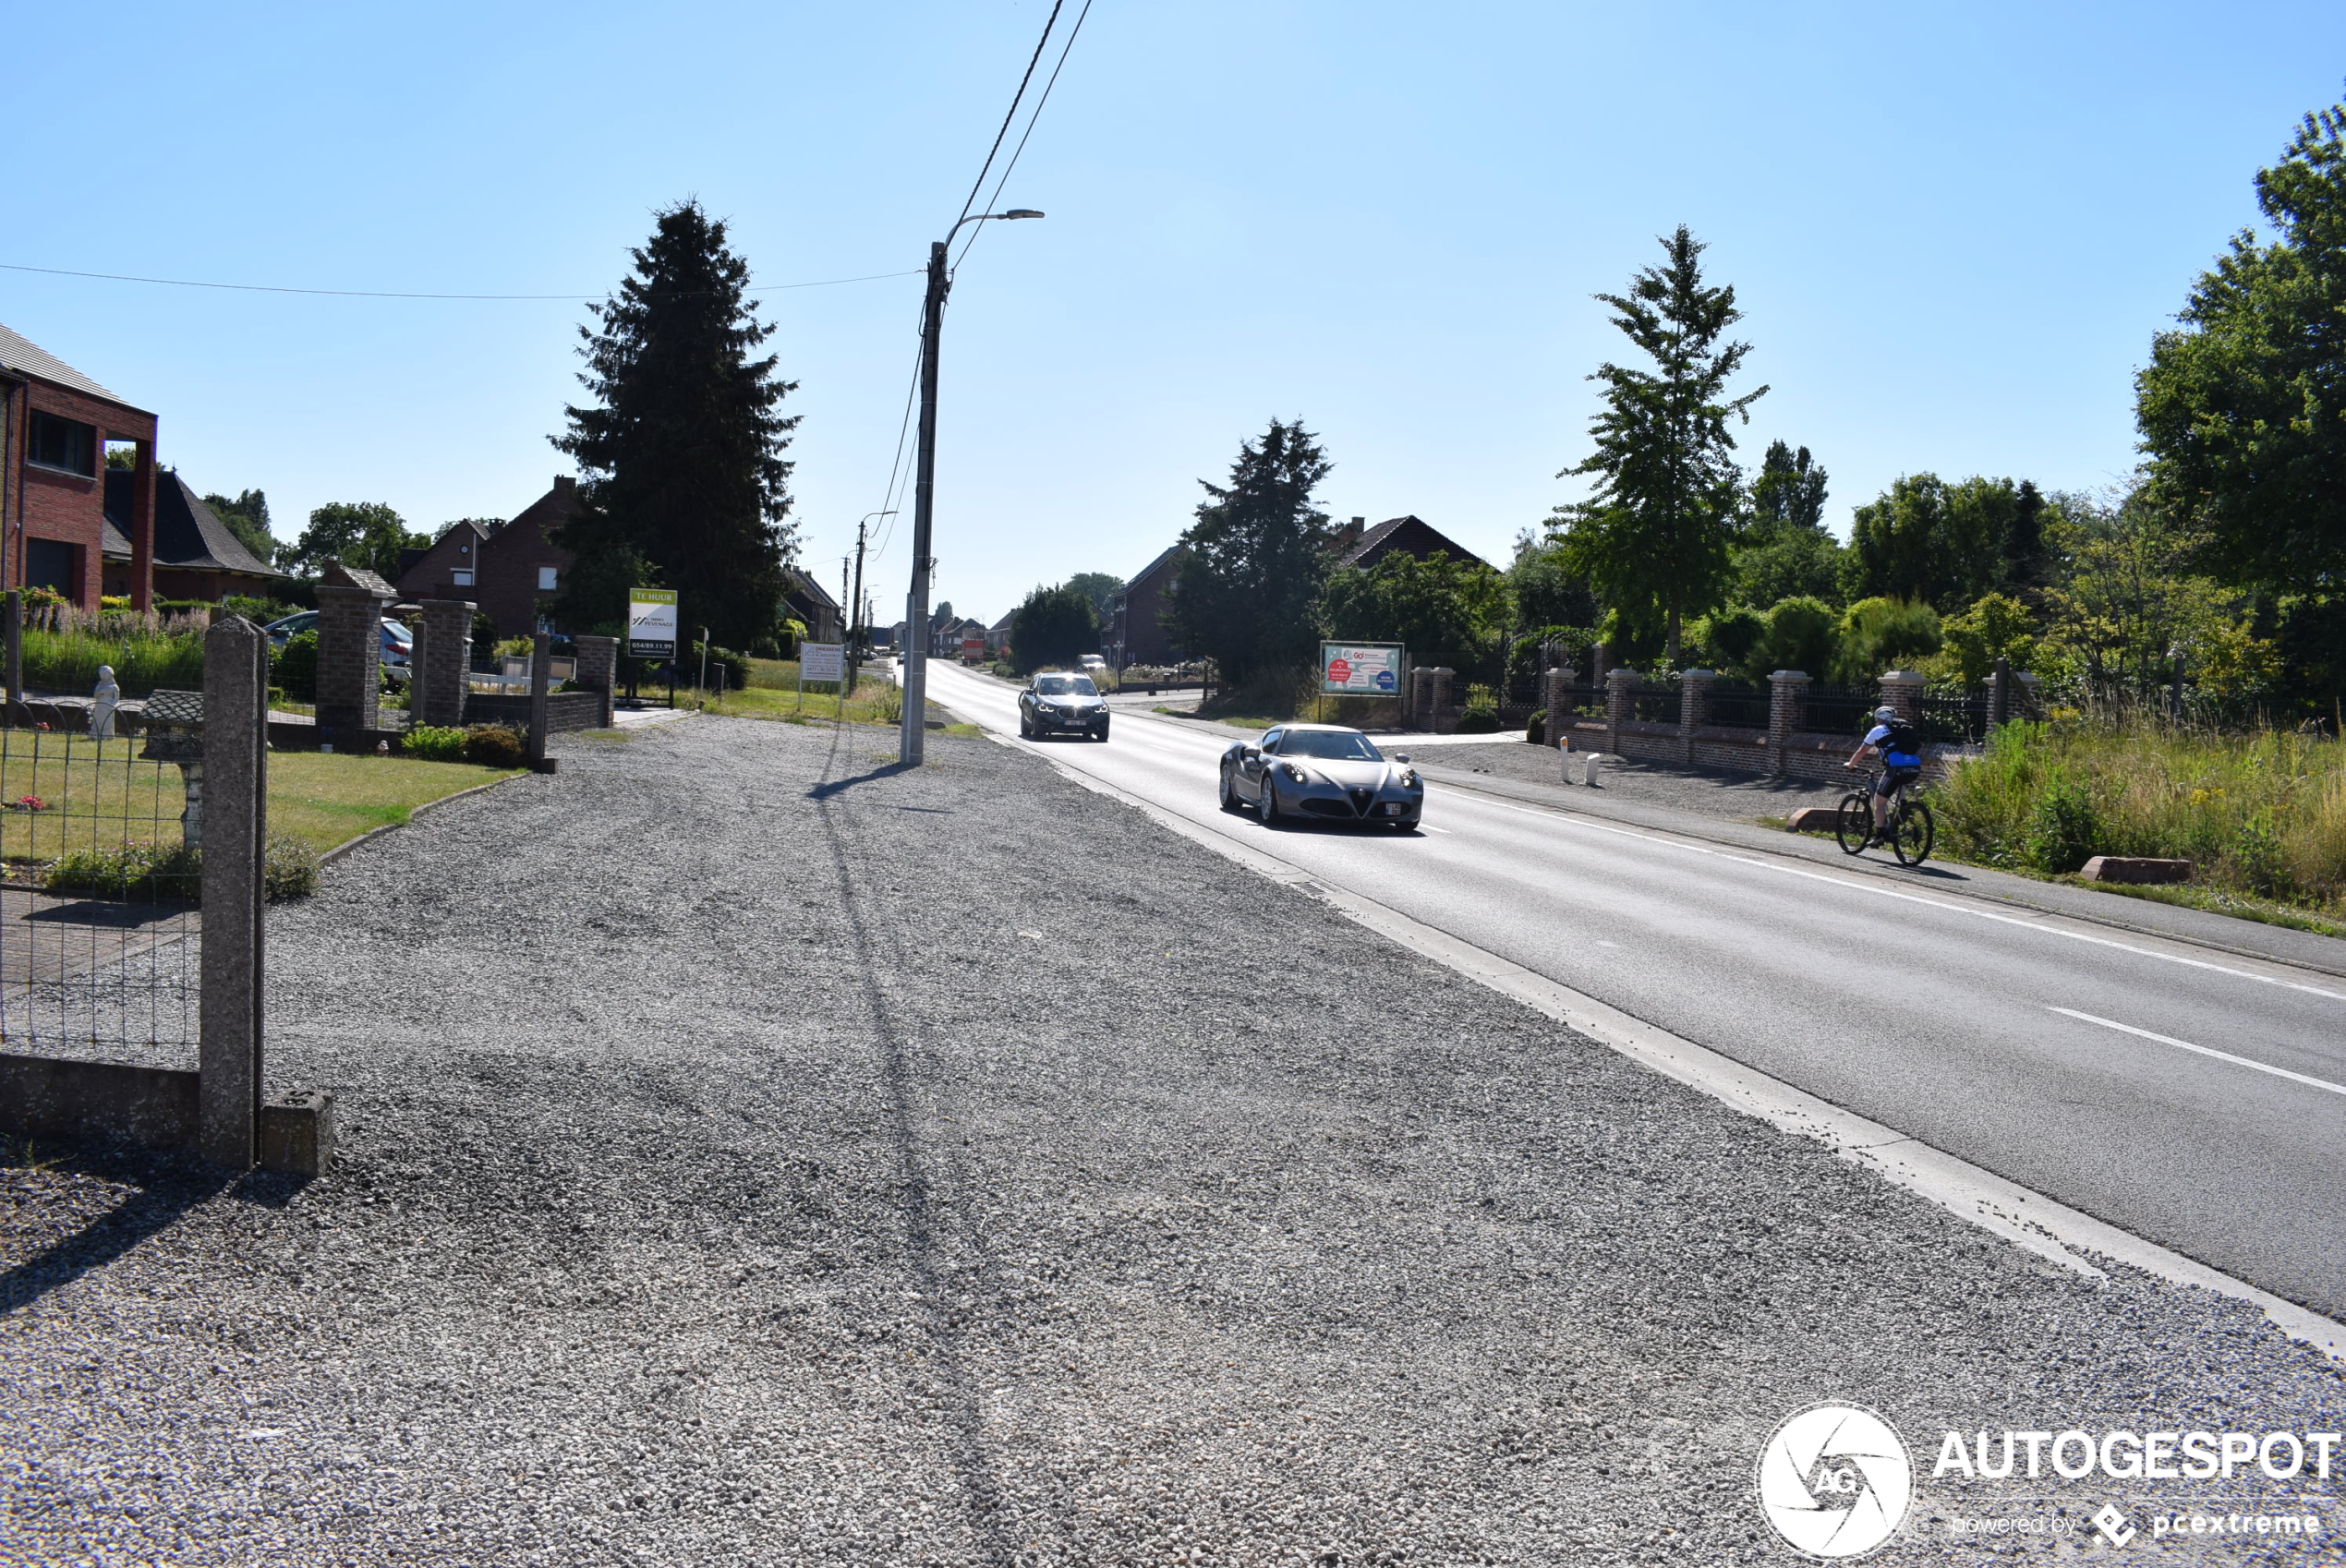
(2063, 1055)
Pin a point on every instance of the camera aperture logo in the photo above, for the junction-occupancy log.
(1835, 1481)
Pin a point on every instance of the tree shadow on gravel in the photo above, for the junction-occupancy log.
(973, 1464)
(162, 1191)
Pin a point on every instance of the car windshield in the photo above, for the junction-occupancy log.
(1334, 745)
(396, 630)
(1066, 686)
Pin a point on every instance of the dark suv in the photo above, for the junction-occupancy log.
(1056, 702)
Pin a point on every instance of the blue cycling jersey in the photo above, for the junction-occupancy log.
(1892, 756)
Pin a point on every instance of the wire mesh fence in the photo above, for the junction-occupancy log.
(99, 929)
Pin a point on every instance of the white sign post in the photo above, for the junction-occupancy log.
(823, 661)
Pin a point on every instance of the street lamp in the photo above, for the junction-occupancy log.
(910, 733)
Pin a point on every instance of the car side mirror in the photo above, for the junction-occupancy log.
(1402, 757)
(1251, 753)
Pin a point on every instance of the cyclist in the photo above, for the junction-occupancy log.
(1899, 746)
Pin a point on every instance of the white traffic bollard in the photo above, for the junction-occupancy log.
(1588, 771)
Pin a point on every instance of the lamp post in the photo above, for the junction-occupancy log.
(911, 734)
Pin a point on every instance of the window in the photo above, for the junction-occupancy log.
(546, 579)
(52, 563)
(462, 577)
(61, 443)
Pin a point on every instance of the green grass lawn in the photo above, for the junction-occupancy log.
(100, 798)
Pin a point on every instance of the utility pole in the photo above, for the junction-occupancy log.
(911, 734)
(855, 610)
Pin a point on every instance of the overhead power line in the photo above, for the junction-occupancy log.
(995, 199)
(979, 184)
(387, 293)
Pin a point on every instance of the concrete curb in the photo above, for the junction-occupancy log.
(349, 844)
(2051, 1230)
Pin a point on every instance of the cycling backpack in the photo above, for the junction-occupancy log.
(1903, 746)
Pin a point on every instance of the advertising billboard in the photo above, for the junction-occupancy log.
(1361, 670)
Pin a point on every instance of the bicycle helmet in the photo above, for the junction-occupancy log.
(1885, 713)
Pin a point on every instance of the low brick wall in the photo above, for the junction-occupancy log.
(1807, 755)
(565, 711)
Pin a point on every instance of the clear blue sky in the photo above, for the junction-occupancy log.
(1953, 231)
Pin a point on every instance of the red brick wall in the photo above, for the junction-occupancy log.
(506, 586)
(433, 576)
(69, 507)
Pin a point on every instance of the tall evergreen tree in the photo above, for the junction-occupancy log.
(1250, 574)
(682, 447)
(1655, 536)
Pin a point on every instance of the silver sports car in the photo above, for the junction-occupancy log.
(1323, 772)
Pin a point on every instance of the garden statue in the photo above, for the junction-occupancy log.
(102, 702)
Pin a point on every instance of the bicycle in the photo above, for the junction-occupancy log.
(1906, 827)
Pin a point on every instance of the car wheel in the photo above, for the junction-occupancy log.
(1266, 804)
(1229, 796)
(1025, 726)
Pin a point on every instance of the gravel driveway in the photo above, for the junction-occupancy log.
(755, 1155)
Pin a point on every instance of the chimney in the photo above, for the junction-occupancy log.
(564, 484)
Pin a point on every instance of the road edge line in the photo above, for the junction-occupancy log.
(2002, 1208)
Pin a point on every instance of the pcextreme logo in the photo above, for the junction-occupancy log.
(1834, 1481)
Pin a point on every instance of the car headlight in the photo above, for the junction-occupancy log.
(1295, 775)
(1410, 779)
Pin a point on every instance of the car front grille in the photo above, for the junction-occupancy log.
(1360, 799)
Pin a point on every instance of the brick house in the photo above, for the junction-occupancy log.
(54, 427)
(1135, 632)
(196, 557)
(513, 572)
(1363, 547)
(803, 599)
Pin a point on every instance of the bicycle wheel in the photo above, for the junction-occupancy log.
(1855, 822)
(1910, 837)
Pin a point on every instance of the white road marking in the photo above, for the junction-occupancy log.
(2202, 1050)
(1788, 869)
(1431, 829)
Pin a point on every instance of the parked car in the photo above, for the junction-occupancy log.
(399, 644)
(1056, 702)
(1091, 661)
(1322, 771)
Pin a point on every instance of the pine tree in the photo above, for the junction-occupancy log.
(1654, 537)
(1250, 578)
(685, 484)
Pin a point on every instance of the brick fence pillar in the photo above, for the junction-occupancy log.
(350, 610)
(597, 669)
(2025, 704)
(1694, 695)
(1440, 716)
(444, 659)
(1558, 703)
(1902, 689)
(1620, 703)
(1787, 690)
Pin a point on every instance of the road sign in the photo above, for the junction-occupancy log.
(1361, 670)
(651, 623)
(822, 661)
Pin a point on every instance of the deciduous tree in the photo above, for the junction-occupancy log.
(1054, 625)
(2243, 408)
(366, 533)
(1446, 612)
